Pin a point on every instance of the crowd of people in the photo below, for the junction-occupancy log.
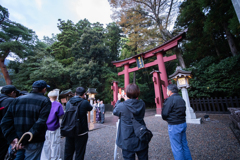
(34, 113)
(30, 124)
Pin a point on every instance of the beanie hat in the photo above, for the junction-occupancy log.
(53, 94)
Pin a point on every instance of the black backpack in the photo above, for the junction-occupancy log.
(140, 130)
(71, 124)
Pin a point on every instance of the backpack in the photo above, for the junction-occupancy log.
(140, 130)
(71, 124)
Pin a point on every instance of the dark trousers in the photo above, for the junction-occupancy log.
(129, 155)
(102, 117)
(3, 147)
(77, 144)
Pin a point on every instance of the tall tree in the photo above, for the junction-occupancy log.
(112, 41)
(206, 34)
(50, 40)
(15, 38)
(219, 15)
(158, 11)
(61, 49)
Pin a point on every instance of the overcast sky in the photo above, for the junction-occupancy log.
(42, 15)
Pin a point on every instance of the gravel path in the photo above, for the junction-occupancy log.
(211, 140)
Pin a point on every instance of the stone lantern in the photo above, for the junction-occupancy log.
(91, 92)
(182, 78)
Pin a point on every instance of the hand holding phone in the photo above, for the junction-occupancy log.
(122, 93)
(119, 96)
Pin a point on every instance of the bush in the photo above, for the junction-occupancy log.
(215, 79)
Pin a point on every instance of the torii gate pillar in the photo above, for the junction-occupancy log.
(126, 75)
(114, 87)
(164, 78)
(157, 88)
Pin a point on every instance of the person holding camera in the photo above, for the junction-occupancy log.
(78, 142)
(126, 138)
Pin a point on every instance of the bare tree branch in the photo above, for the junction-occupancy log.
(169, 12)
(142, 3)
(158, 10)
(145, 14)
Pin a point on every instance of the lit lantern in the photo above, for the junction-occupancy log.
(182, 77)
(91, 92)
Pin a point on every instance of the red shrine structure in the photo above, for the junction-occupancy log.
(160, 77)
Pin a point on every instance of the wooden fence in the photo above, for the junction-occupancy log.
(214, 105)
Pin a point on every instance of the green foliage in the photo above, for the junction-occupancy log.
(215, 79)
(52, 72)
(14, 37)
(206, 34)
(80, 55)
(49, 41)
(85, 74)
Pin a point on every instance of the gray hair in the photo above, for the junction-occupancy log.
(173, 88)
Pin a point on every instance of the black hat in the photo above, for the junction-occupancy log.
(80, 91)
(8, 89)
(40, 84)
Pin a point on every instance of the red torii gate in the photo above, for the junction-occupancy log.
(159, 52)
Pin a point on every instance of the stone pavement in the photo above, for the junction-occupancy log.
(211, 140)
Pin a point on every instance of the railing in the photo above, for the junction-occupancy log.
(214, 105)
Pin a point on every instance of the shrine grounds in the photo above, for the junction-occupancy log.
(211, 140)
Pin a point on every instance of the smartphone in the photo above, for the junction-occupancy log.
(122, 93)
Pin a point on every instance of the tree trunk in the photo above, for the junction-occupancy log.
(5, 72)
(134, 77)
(230, 40)
(215, 45)
(179, 57)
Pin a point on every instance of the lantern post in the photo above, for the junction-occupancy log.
(182, 78)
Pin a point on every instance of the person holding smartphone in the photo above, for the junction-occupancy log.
(126, 138)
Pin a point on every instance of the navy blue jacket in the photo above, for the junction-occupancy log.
(126, 138)
(173, 110)
(4, 102)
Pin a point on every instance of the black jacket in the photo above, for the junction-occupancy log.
(27, 113)
(126, 138)
(82, 111)
(173, 110)
(4, 102)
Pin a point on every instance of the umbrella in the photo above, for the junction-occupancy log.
(12, 154)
